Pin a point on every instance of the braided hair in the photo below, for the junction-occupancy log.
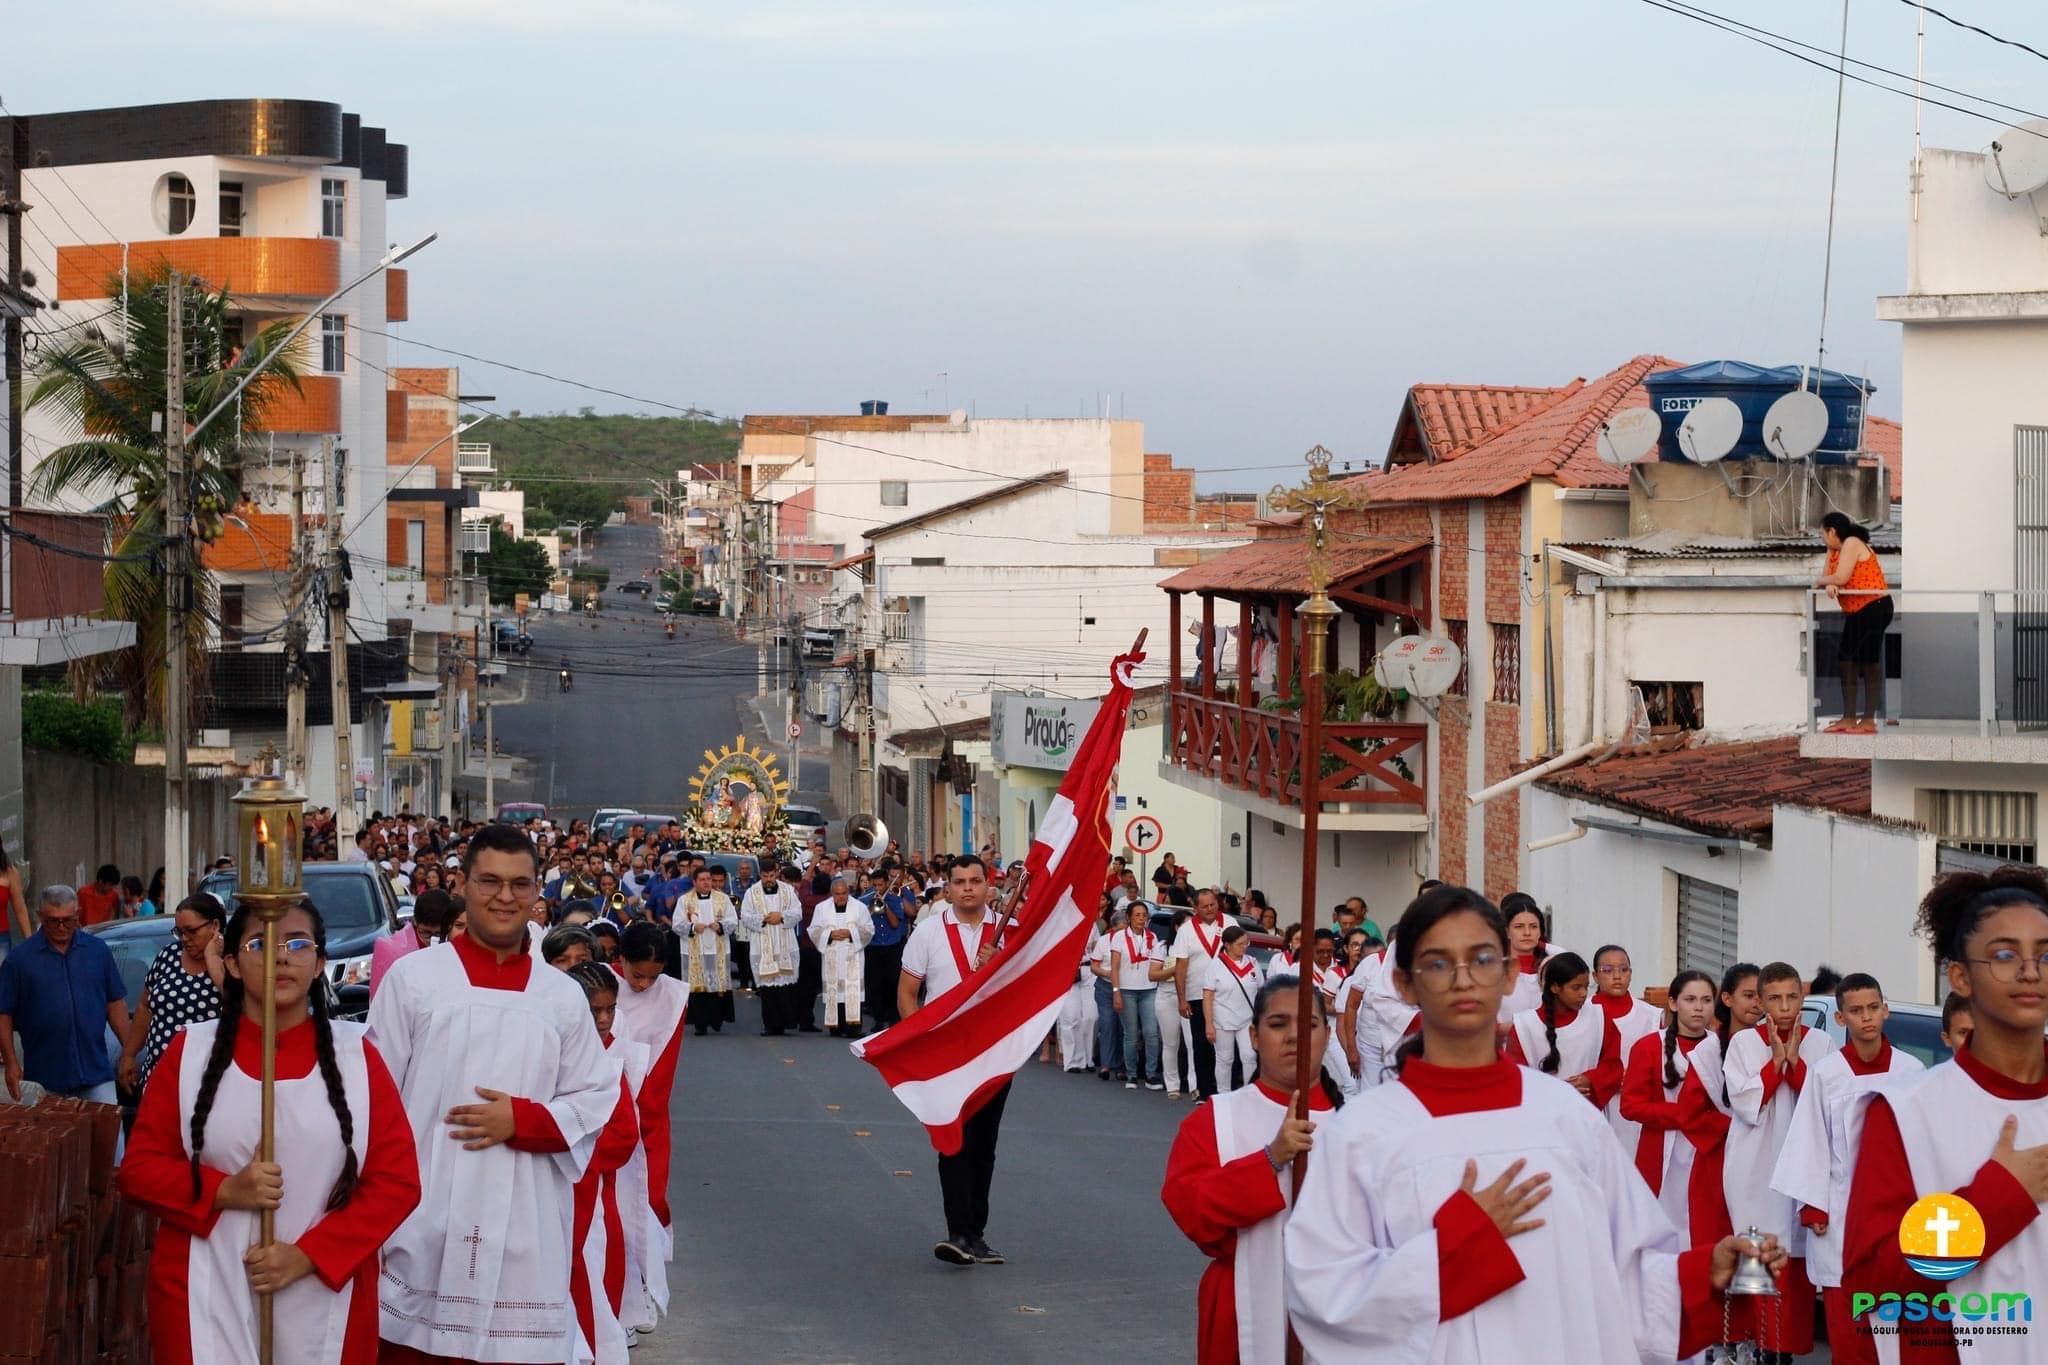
(1289, 984)
(1678, 984)
(233, 995)
(1557, 971)
(1724, 1018)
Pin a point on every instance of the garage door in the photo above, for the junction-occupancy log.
(1706, 926)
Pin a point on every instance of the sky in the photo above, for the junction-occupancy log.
(1251, 225)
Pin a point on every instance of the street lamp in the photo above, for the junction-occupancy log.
(268, 819)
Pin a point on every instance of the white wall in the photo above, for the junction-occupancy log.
(1830, 889)
(1383, 868)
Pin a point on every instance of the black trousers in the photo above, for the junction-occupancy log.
(884, 968)
(1204, 1051)
(778, 1008)
(964, 1177)
(810, 979)
(742, 964)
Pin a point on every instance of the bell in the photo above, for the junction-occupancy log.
(1751, 1277)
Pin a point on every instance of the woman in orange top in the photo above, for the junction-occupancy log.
(1856, 581)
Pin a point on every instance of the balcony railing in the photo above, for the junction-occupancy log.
(474, 457)
(1376, 765)
(476, 537)
(1955, 662)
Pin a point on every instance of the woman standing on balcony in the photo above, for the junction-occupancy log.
(1856, 581)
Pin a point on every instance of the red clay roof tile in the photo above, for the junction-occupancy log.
(1280, 565)
(1725, 789)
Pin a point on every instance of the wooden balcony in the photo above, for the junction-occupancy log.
(1371, 768)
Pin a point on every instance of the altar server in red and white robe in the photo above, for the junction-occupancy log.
(1766, 1068)
(1529, 950)
(597, 1284)
(1655, 1074)
(1562, 1038)
(1819, 1153)
(1228, 1181)
(507, 1086)
(1480, 1212)
(651, 1011)
(1975, 1126)
(1703, 1114)
(345, 1176)
(1633, 1019)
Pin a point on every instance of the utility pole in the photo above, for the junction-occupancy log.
(869, 788)
(345, 822)
(789, 704)
(177, 597)
(15, 152)
(295, 634)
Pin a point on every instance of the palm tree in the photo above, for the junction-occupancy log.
(108, 393)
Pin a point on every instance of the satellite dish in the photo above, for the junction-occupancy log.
(957, 417)
(1710, 430)
(2017, 162)
(1420, 665)
(1629, 435)
(1795, 425)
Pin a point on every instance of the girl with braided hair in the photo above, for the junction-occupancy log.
(341, 1132)
(604, 1243)
(1563, 1038)
(1654, 1073)
(1976, 1125)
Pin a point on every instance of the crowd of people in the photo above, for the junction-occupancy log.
(1508, 1143)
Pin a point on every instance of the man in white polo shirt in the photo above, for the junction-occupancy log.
(943, 950)
(1195, 945)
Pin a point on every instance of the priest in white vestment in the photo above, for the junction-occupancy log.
(840, 930)
(774, 917)
(507, 1086)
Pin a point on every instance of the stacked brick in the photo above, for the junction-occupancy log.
(74, 1256)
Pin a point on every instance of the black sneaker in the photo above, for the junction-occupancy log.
(983, 1253)
(953, 1251)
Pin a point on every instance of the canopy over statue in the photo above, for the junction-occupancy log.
(736, 801)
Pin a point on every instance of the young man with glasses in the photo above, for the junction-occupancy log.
(60, 991)
(505, 1079)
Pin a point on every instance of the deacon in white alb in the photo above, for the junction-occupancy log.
(840, 930)
(774, 917)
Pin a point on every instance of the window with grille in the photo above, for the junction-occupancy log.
(1994, 824)
(1507, 663)
(333, 344)
(179, 204)
(1460, 635)
(334, 208)
(231, 628)
(1673, 706)
(895, 493)
(1707, 922)
(230, 208)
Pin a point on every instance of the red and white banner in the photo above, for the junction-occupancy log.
(945, 1061)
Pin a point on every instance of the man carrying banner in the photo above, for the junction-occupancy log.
(979, 991)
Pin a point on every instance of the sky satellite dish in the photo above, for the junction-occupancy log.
(1420, 665)
(1795, 425)
(1629, 435)
(1710, 430)
(2016, 162)
(957, 417)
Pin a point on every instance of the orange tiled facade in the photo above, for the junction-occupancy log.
(255, 542)
(315, 407)
(307, 267)
(439, 563)
(397, 295)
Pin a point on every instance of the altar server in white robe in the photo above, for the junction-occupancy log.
(1653, 1078)
(1529, 951)
(507, 1087)
(774, 916)
(1819, 1153)
(1475, 1211)
(651, 1009)
(1633, 1018)
(840, 930)
(1766, 1069)
(1228, 1184)
(1975, 1126)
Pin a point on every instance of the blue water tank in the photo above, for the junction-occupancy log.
(1753, 388)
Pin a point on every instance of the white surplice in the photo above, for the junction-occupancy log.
(842, 961)
(1578, 1043)
(1247, 1119)
(1758, 1129)
(1819, 1155)
(1361, 1245)
(480, 1271)
(774, 945)
(1642, 1020)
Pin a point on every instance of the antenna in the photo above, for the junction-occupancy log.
(2016, 162)
(1420, 665)
(1629, 435)
(1796, 425)
(1710, 430)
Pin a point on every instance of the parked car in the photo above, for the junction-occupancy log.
(522, 812)
(358, 907)
(135, 944)
(1163, 918)
(615, 827)
(805, 824)
(704, 602)
(510, 638)
(1913, 1027)
(604, 815)
(732, 863)
(639, 585)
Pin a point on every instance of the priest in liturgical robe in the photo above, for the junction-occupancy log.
(705, 920)
(840, 930)
(507, 1087)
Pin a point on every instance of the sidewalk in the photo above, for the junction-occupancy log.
(762, 716)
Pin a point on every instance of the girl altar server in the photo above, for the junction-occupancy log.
(1656, 1072)
(1228, 1181)
(1471, 1207)
(600, 1234)
(1975, 1126)
(650, 1011)
(1562, 1038)
(1633, 1019)
(192, 1159)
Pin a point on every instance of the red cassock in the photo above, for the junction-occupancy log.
(655, 1017)
(599, 1190)
(1664, 1157)
(199, 1313)
(1212, 1201)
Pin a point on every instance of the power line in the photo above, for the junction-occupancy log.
(53, 169)
(1972, 28)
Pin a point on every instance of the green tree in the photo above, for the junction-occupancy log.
(514, 567)
(107, 394)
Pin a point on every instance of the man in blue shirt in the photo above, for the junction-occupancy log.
(61, 990)
(895, 905)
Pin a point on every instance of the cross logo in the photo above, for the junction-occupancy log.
(1941, 1225)
(475, 1240)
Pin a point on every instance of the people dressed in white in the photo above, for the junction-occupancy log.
(774, 918)
(1228, 991)
(840, 930)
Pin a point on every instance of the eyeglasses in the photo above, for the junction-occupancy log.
(521, 888)
(193, 931)
(298, 947)
(2004, 964)
(1485, 968)
(1611, 970)
(59, 921)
